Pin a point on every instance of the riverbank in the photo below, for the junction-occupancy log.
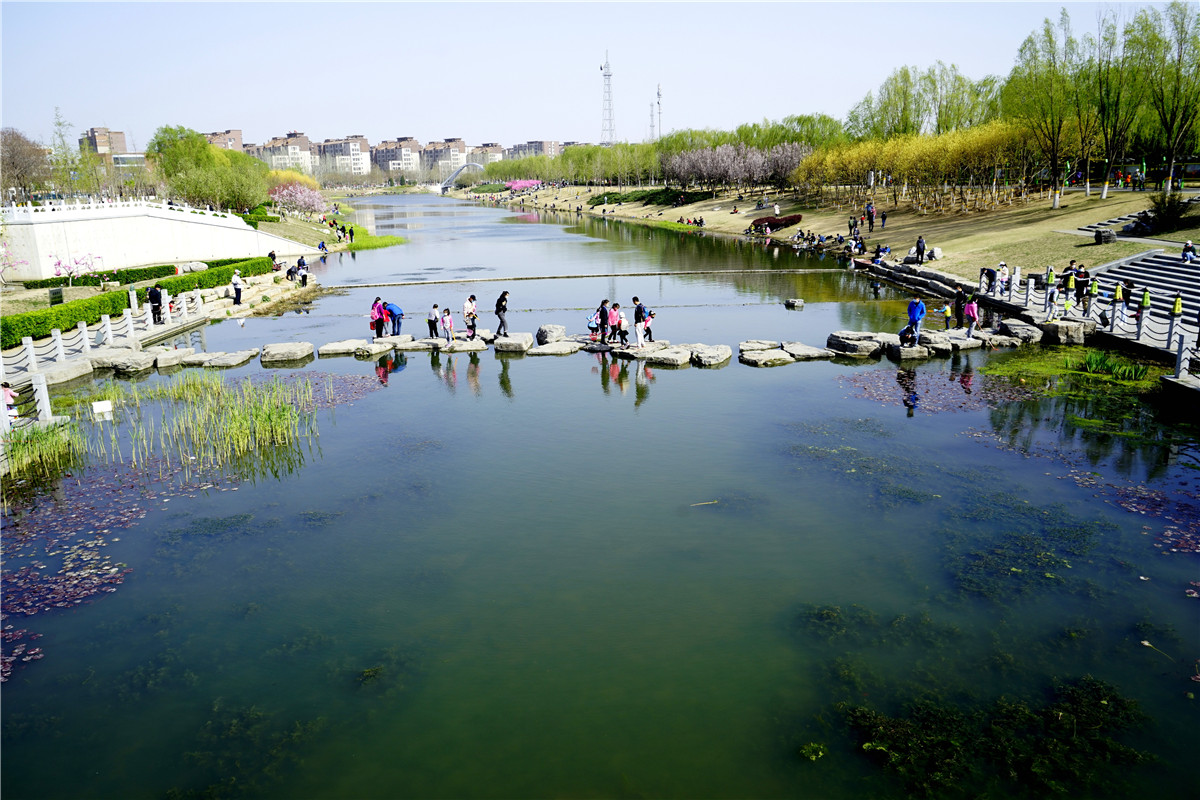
(1029, 235)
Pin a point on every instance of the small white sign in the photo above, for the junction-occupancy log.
(102, 409)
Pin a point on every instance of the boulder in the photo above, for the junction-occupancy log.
(418, 344)
(941, 349)
(372, 350)
(67, 371)
(555, 348)
(756, 344)
(345, 347)
(671, 357)
(596, 347)
(513, 343)
(1004, 341)
(898, 353)
(705, 355)
(234, 359)
(933, 337)
(286, 351)
(551, 333)
(804, 352)
(795, 304)
(765, 358)
(106, 357)
(172, 358)
(854, 344)
(133, 362)
(464, 346)
(1019, 329)
(191, 266)
(1062, 332)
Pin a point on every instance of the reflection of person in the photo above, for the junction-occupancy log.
(473, 374)
(907, 378)
(505, 380)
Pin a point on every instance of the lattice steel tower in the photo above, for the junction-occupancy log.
(660, 127)
(608, 133)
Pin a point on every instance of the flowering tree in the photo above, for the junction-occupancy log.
(298, 198)
(72, 270)
(7, 260)
(520, 186)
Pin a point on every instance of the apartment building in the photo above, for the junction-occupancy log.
(445, 156)
(103, 141)
(533, 148)
(486, 153)
(351, 155)
(403, 154)
(293, 151)
(226, 140)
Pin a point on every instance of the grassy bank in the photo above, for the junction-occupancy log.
(1030, 235)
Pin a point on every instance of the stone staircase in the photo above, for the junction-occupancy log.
(1116, 223)
(1164, 274)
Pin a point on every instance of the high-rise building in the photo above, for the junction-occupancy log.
(487, 152)
(351, 155)
(539, 147)
(103, 141)
(400, 155)
(293, 151)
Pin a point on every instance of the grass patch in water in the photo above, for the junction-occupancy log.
(42, 451)
(1094, 370)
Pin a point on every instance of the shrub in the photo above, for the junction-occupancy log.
(95, 279)
(1170, 208)
(38, 324)
(489, 188)
(211, 277)
(778, 223)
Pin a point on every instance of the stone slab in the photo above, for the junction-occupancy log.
(555, 348)
(133, 363)
(464, 346)
(286, 351)
(898, 353)
(709, 355)
(234, 359)
(766, 358)
(395, 340)
(67, 371)
(345, 347)
(670, 357)
(418, 344)
(756, 344)
(373, 350)
(105, 357)
(551, 333)
(1027, 332)
(804, 352)
(513, 343)
(172, 358)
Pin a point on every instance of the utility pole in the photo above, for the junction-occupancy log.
(608, 129)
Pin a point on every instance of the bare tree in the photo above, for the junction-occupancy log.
(23, 162)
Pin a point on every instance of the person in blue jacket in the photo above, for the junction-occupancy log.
(916, 315)
(397, 315)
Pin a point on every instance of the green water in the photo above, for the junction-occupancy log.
(509, 577)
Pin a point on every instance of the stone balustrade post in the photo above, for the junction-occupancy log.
(183, 308)
(166, 307)
(127, 325)
(30, 353)
(1179, 358)
(60, 352)
(133, 298)
(1112, 323)
(1028, 291)
(199, 302)
(1141, 322)
(41, 397)
(106, 329)
(83, 335)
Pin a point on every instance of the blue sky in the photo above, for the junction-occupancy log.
(494, 72)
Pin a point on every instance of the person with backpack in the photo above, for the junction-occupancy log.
(377, 317)
(470, 317)
(639, 322)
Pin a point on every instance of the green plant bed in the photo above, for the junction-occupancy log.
(211, 277)
(38, 324)
(649, 197)
(122, 276)
(489, 188)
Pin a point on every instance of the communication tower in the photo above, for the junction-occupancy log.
(660, 127)
(608, 129)
(652, 122)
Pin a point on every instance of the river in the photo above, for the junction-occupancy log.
(546, 577)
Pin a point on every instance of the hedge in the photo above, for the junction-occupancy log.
(38, 324)
(96, 278)
(211, 277)
(650, 197)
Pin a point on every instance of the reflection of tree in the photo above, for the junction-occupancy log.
(1098, 424)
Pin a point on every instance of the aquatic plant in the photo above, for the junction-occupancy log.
(1101, 362)
(43, 451)
(812, 751)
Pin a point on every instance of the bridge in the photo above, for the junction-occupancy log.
(446, 184)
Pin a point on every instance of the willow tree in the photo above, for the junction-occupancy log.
(1168, 48)
(1038, 93)
(1117, 90)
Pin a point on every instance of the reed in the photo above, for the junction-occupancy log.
(43, 451)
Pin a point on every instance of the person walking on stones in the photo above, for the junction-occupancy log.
(614, 320)
(236, 282)
(619, 323)
(602, 319)
(972, 313)
(501, 310)
(960, 304)
(397, 314)
(920, 249)
(470, 317)
(649, 322)
(377, 317)
(155, 297)
(431, 319)
(447, 325)
(916, 315)
(639, 322)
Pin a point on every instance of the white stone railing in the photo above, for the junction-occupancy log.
(66, 212)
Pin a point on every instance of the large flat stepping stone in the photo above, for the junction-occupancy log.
(286, 351)
(1062, 332)
(464, 346)
(964, 343)
(766, 358)
(345, 347)
(172, 358)
(1027, 332)
(898, 353)
(513, 343)
(395, 340)
(373, 350)
(756, 344)
(67, 371)
(105, 357)
(671, 357)
(556, 348)
(854, 344)
(133, 362)
(804, 352)
(632, 353)
(234, 359)
(596, 347)
(709, 355)
(419, 344)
